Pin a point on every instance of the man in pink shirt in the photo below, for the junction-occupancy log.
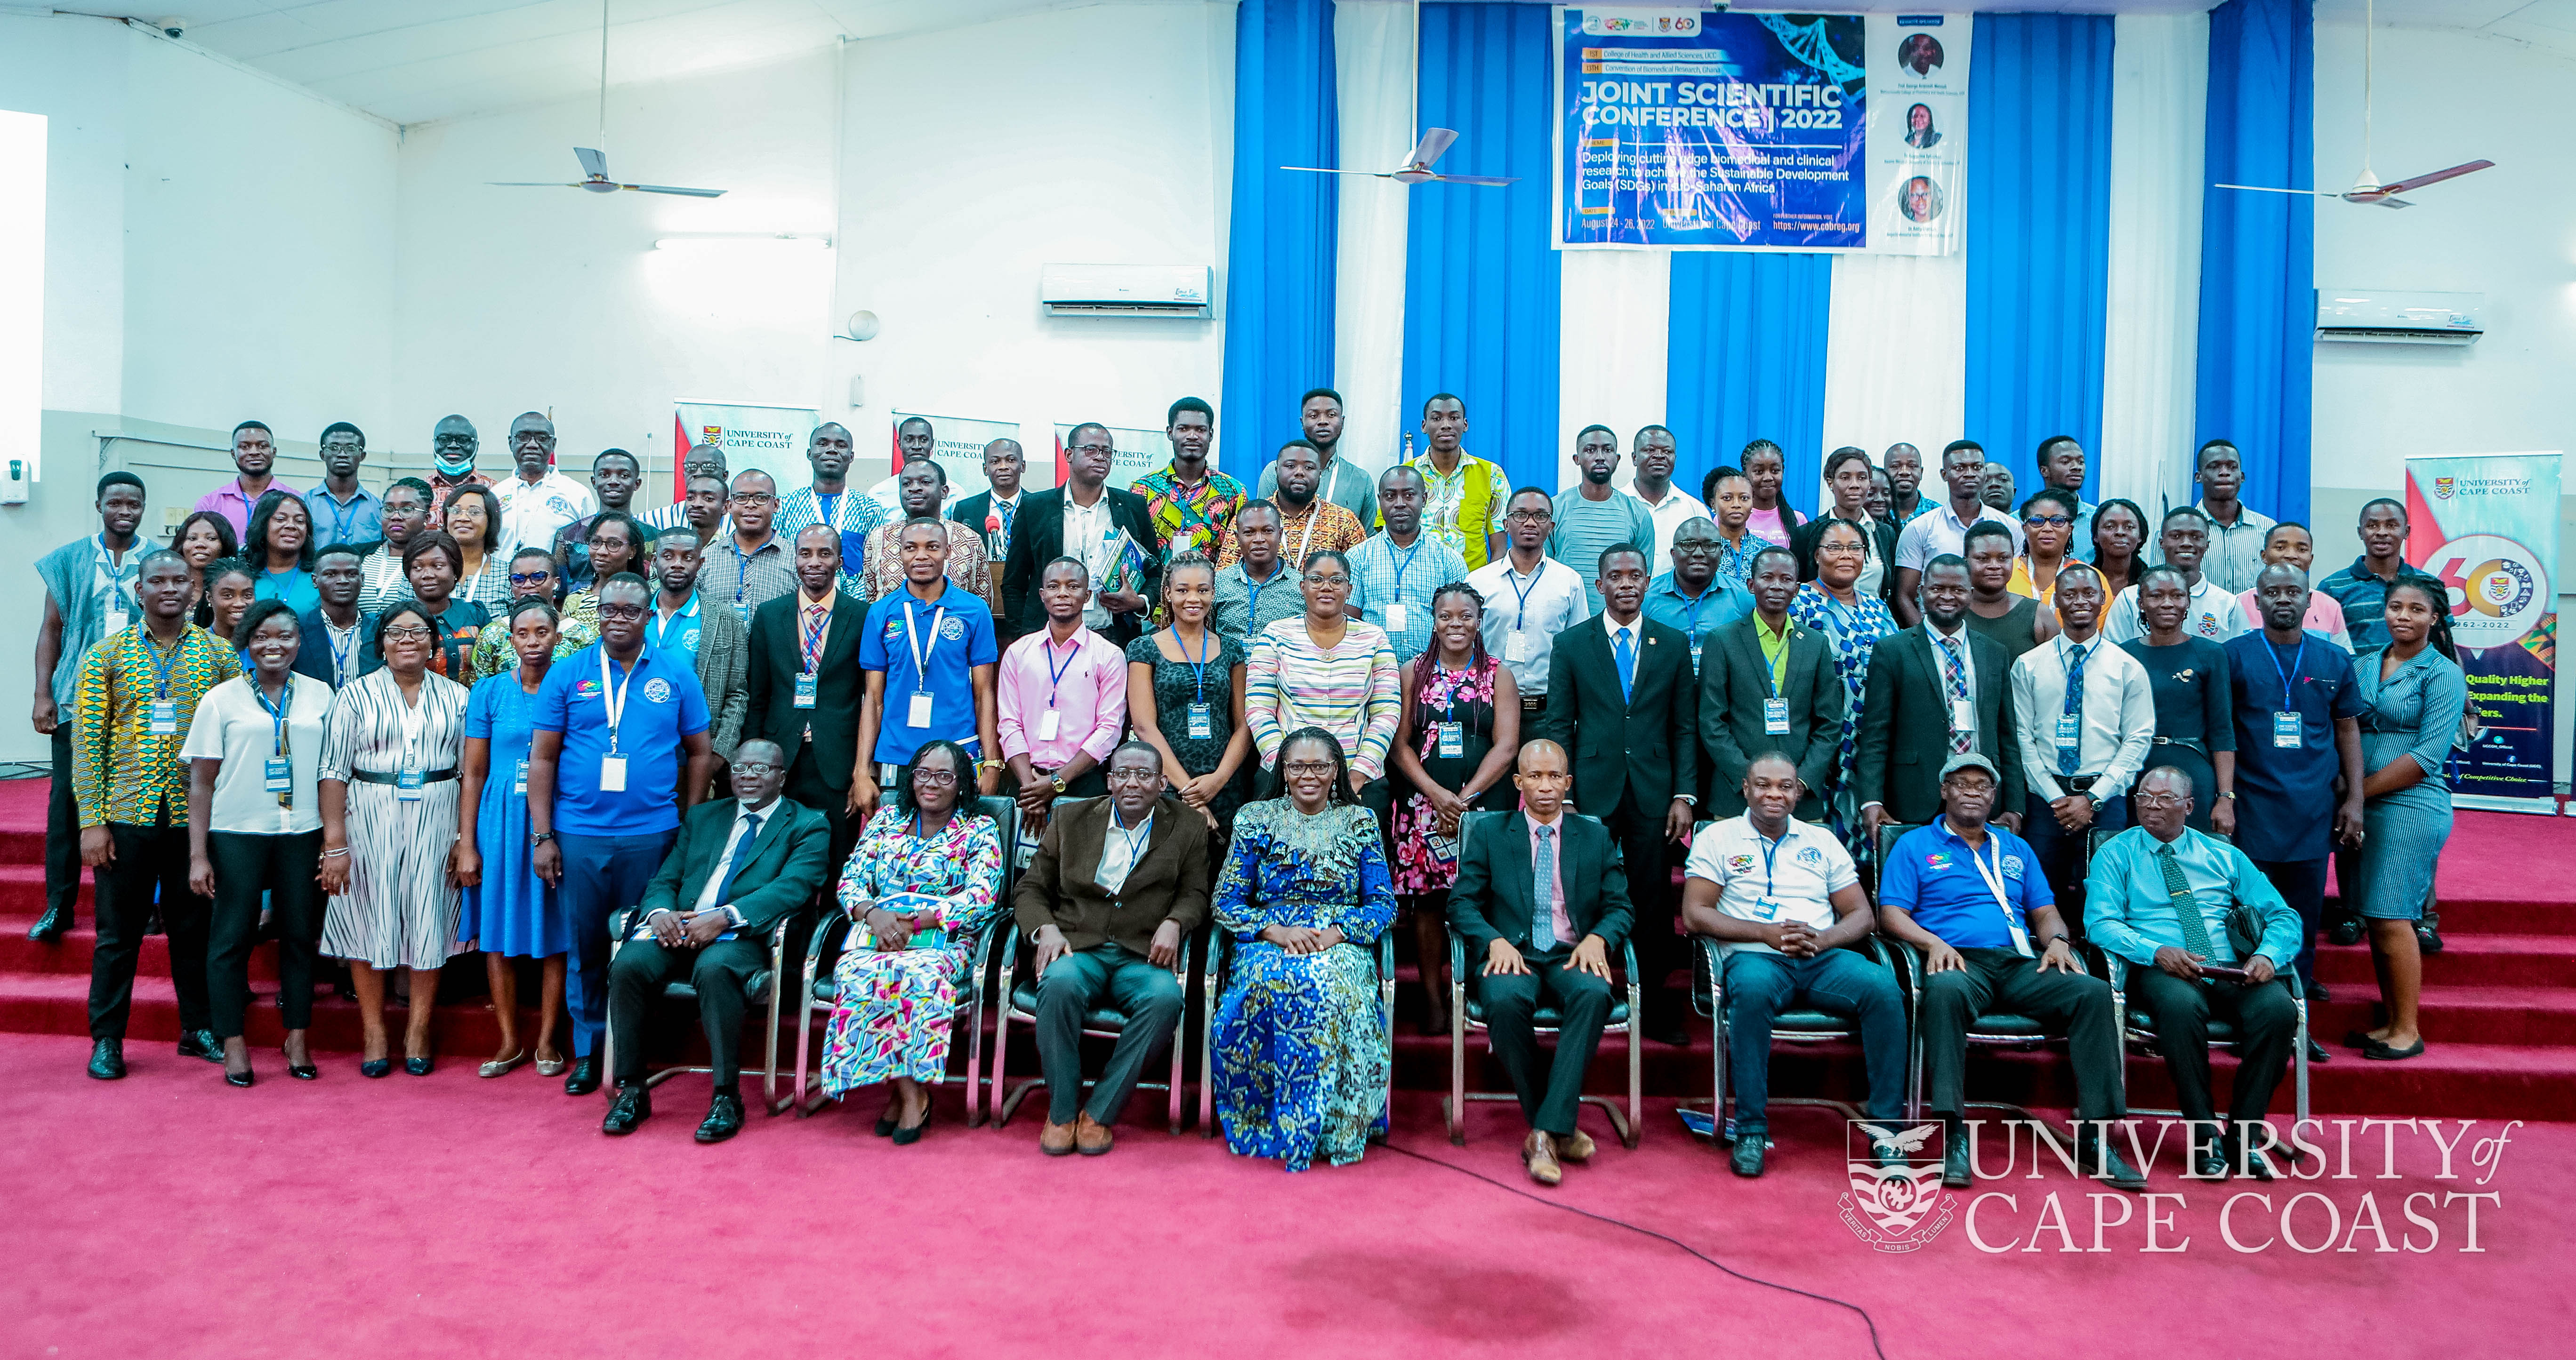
(1063, 697)
(254, 463)
(2289, 541)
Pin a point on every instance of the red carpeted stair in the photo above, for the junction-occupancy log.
(2499, 1005)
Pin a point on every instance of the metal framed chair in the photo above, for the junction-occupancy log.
(1220, 956)
(763, 990)
(1794, 1027)
(2138, 1027)
(818, 989)
(1467, 1013)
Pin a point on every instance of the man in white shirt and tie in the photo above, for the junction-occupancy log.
(2085, 715)
(1530, 597)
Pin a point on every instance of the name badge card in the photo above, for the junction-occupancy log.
(917, 714)
(805, 690)
(1775, 717)
(1518, 647)
(2070, 732)
(1452, 737)
(612, 774)
(407, 786)
(1202, 722)
(280, 775)
(1963, 715)
(164, 720)
(2285, 731)
(519, 783)
(1395, 617)
(114, 623)
(1047, 724)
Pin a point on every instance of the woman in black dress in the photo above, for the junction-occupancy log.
(1454, 747)
(2195, 730)
(1185, 695)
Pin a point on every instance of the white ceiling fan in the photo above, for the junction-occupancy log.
(1417, 167)
(594, 166)
(2368, 189)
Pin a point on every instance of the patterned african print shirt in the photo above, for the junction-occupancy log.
(967, 565)
(1190, 519)
(493, 653)
(121, 770)
(1324, 525)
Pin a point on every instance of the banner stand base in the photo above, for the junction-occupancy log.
(2552, 806)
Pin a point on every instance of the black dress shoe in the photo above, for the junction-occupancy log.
(886, 1121)
(375, 1067)
(1749, 1150)
(2246, 1161)
(584, 1077)
(2344, 930)
(2428, 940)
(201, 1043)
(1956, 1174)
(308, 1072)
(107, 1059)
(904, 1137)
(2317, 994)
(2210, 1164)
(2102, 1161)
(724, 1118)
(2317, 1051)
(240, 1078)
(50, 926)
(418, 1067)
(1889, 1156)
(632, 1106)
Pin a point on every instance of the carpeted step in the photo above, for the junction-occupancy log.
(71, 952)
(22, 889)
(2466, 960)
(2542, 1017)
(59, 1004)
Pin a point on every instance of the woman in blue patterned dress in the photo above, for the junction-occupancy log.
(898, 978)
(2415, 696)
(1301, 1048)
(1852, 622)
(509, 911)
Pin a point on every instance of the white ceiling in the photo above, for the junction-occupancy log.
(417, 61)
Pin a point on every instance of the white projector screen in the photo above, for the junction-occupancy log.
(22, 288)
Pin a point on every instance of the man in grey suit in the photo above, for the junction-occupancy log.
(1767, 683)
(715, 639)
(1938, 689)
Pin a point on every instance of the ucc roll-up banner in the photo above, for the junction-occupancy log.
(770, 438)
(2487, 525)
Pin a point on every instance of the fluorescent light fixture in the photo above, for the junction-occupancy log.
(756, 240)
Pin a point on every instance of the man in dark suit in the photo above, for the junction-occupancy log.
(1108, 924)
(1097, 512)
(996, 515)
(1936, 690)
(1622, 696)
(336, 647)
(804, 682)
(1537, 952)
(741, 865)
(1767, 683)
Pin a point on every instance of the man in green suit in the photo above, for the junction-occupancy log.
(1767, 683)
(741, 865)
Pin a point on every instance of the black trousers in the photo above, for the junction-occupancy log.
(2302, 884)
(148, 859)
(1647, 853)
(805, 785)
(1582, 1004)
(246, 867)
(2001, 980)
(721, 972)
(62, 830)
(2266, 1021)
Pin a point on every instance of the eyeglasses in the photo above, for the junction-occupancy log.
(2047, 521)
(2162, 800)
(1336, 579)
(621, 611)
(751, 498)
(530, 578)
(413, 633)
(1091, 448)
(1694, 545)
(1141, 776)
(1307, 768)
(753, 769)
(934, 779)
(1531, 516)
(1838, 549)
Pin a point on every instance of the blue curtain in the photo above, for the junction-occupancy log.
(1280, 249)
(2257, 251)
(2039, 239)
(1746, 361)
(1481, 283)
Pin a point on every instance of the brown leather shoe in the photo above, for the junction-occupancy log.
(1056, 1140)
(1539, 1151)
(1575, 1147)
(1090, 1136)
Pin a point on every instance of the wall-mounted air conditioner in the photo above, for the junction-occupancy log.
(1126, 289)
(2376, 316)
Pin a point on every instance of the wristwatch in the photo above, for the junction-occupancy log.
(537, 838)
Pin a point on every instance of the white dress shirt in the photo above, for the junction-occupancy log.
(2214, 614)
(1677, 508)
(1088, 533)
(1533, 608)
(531, 512)
(1966, 658)
(2119, 724)
(1938, 530)
(724, 859)
(1120, 849)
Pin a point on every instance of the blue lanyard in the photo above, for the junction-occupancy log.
(1770, 850)
(825, 505)
(2289, 701)
(161, 669)
(1448, 692)
(1277, 571)
(1400, 567)
(1198, 668)
(1521, 594)
(339, 655)
(276, 712)
(1055, 673)
(1135, 839)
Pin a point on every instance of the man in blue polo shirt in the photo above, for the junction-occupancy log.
(1971, 897)
(928, 658)
(621, 748)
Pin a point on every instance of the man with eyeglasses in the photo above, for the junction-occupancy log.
(801, 683)
(621, 750)
(741, 865)
(2201, 928)
(2061, 469)
(1530, 597)
(342, 510)
(1694, 597)
(452, 446)
(1109, 531)
(539, 501)
(532, 577)
(757, 565)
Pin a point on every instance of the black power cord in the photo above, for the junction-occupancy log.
(1704, 1258)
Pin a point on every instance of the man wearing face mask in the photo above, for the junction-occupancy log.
(828, 501)
(1344, 482)
(342, 510)
(452, 444)
(539, 500)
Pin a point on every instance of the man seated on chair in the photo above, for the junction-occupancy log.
(1543, 898)
(740, 866)
(1117, 884)
(2164, 897)
(1971, 896)
(1781, 898)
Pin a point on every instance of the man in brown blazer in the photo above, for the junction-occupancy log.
(1117, 884)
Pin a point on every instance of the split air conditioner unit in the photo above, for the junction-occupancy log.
(1126, 289)
(2373, 316)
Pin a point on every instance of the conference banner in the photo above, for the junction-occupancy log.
(2487, 525)
(1712, 130)
(957, 443)
(1133, 454)
(770, 438)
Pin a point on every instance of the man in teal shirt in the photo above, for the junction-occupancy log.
(2167, 899)
(1694, 596)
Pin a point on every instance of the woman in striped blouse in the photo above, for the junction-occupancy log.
(1325, 669)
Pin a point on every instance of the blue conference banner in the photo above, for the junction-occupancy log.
(2487, 526)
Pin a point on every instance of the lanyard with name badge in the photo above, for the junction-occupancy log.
(917, 714)
(2003, 901)
(1775, 706)
(2070, 726)
(1202, 717)
(1048, 721)
(612, 766)
(1769, 904)
(279, 774)
(1963, 712)
(407, 779)
(1395, 607)
(1449, 733)
(1254, 589)
(1517, 646)
(811, 645)
(343, 658)
(115, 618)
(164, 717)
(2286, 723)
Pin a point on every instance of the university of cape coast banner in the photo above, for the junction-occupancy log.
(2488, 527)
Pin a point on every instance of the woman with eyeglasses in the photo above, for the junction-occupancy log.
(431, 564)
(1185, 695)
(1300, 1040)
(471, 516)
(2414, 695)
(204, 538)
(2119, 546)
(1454, 747)
(1849, 474)
(389, 829)
(280, 543)
(616, 543)
(255, 829)
(2195, 724)
(508, 911)
(532, 577)
(923, 881)
(1328, 671)
(2047, 531)
(1852, 622)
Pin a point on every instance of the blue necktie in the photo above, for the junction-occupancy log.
(2068, 756)
(741, 856)
(1962, 740)
(1543, 892)
(1626, 652)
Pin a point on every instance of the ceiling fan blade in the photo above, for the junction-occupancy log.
(1471, 179)
(1435, 142)
(593, 164)
(2436, 177)
(666, 189)
(2388, 202)
(529, 184)
(2267, 189)
(1319, 170)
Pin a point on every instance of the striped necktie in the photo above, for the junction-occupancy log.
(1962, 739)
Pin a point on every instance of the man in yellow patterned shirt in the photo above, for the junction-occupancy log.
(1466, 494)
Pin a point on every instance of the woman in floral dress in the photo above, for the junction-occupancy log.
(1455, 745)
(897, 981)
(1853, 623)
